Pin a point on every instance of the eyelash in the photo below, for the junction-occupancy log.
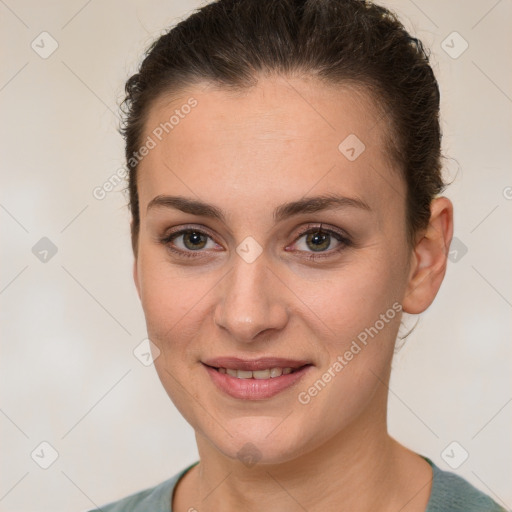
(344, 241)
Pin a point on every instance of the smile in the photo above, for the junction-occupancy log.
(269, 373)
(256, 380)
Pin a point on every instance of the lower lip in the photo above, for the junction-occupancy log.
(254, 389)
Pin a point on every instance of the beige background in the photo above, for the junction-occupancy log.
(70, 324)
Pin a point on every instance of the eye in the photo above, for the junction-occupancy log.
(319, 240)
(186, 242)
(191, 242)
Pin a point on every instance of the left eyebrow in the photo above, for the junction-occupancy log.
(282, 212)
(317, 204)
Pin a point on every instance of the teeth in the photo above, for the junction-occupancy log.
(276, 372)
(257, 374)
(261, 374)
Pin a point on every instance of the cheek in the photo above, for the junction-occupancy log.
(174, 313)
(361, 305)
(363, 316)
(167, 299)
(351, 298)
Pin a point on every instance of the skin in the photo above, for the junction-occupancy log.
(248, 153)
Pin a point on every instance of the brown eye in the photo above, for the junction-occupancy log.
(189, 243)
(194, 240)
(319, 240)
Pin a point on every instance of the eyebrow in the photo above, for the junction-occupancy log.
(282, 212)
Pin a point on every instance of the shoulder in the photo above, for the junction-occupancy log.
(451, 493)
(154, 499)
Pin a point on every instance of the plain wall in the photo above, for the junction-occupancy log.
(69, 325)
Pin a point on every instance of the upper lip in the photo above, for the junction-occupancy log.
(235, 363)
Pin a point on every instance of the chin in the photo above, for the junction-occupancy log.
(260, 440)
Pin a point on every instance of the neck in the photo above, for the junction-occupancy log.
(361, 468)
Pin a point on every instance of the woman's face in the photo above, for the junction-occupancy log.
(243, 287)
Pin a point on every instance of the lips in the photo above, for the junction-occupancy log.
(269, 373)
(251, 365)
(256, 379)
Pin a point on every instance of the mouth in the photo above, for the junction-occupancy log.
(255, 379)
(268, 373)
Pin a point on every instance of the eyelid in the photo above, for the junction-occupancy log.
(311, 227)
(340, 235)
(187, 228)
(170, 235)
(304, 230)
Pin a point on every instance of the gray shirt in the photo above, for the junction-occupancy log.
(450, 493)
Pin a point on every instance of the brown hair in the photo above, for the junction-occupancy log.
(232, 42)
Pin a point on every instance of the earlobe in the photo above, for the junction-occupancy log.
(430, 258)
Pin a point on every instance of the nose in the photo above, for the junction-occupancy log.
(252, 301)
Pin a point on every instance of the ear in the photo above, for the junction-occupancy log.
(135, 264)
(429, 258)
(136, 277)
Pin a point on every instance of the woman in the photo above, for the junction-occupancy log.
(285, 182)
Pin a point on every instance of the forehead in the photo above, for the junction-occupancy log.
(282, 137)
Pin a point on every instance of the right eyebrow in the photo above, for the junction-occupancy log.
(187, 205)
